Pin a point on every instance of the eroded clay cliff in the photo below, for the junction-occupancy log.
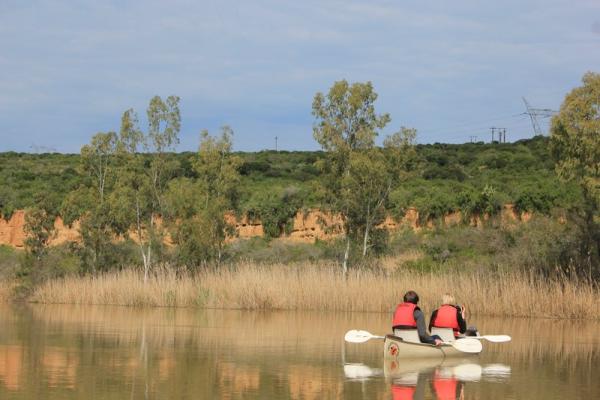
(307, 226)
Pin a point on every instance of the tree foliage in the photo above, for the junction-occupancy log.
(90, 203)
(575, 141)
(198, 210)
(575, 145)
(39, 227)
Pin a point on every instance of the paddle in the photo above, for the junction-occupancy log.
(467, 345)
(493, 338)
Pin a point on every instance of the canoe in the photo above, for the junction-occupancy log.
(395, 348)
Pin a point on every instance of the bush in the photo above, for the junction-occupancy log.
(276, 210)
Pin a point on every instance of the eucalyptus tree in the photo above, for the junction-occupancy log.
(199, 208)
(346, 124)
(575, 145)
(219, 180)
(373, 174)
(90, 203)
(145, 168)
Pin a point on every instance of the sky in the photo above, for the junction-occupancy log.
(450, 69)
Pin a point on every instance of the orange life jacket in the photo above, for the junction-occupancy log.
(403, 392)
(446, 318)
(404, 315)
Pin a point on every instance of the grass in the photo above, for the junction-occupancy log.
(322, 287)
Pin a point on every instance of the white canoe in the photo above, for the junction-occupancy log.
(395, 348)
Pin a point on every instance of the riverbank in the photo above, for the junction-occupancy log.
(323, 287)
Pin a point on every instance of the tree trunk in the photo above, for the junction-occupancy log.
(346, 255)
(366, 240)
(146, 265)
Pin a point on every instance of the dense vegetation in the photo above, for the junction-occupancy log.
(451, 177)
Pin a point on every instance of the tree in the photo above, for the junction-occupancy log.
(90, 202)
(575, 146)
(372, 176)
(219, 180)
(144, 172)
(366, 188)
(198, 209)
(39, 227)
(346, 123)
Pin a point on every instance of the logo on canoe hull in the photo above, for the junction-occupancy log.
(393, 350)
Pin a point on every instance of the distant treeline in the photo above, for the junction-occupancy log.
(470, 177)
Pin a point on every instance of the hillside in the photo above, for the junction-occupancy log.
(449, 178)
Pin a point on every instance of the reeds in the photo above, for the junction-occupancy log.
(323, 287)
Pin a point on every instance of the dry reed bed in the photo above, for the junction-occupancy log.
(318, 287)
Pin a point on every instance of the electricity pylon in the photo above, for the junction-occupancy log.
(534, 113)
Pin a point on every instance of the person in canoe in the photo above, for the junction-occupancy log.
(409, 316)
(449, 315)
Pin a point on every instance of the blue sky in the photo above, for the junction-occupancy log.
(451, 69)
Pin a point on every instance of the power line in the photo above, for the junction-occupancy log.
(481, 123)
(469, 128)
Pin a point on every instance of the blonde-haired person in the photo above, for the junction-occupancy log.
(449, 315)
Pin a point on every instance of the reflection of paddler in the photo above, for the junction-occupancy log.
(400, 392)
(447, 387)
(409, 386)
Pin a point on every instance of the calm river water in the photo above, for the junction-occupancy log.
(70, 352)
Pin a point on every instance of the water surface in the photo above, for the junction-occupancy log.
(76, 352)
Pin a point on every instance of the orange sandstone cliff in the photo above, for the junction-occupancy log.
(307, 227)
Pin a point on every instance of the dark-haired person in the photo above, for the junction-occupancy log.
(449, 315)
(409, 316)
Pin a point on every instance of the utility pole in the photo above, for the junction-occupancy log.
(473, 138)
(276, 143)
(501, 135)
(493, 130)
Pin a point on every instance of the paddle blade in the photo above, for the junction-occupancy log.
(496, 338)
(357, 336)
(467, 345)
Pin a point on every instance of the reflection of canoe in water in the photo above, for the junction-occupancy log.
(408, 370)
(395, 348)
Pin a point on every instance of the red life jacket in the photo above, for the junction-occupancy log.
(403, 392)
(404, 315)
(446, 318)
